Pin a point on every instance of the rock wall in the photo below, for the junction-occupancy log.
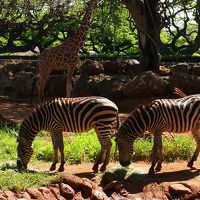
(112, 79)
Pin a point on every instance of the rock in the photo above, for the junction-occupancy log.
(47, 194)
(86, 189)
(85, 86)
(78, 196)
(187, 83)
(17, 79)
(66, 191)
(154, 191)
(98, 195)
(146, 84)
(35, 193)
(178, 190)
(120, 189)
(112, 88)
(23, 83)
(73, 181)
(3, 196)
(195, 70)
(193, 185)
(110, 186)
(180, 68)
(23, 195)
(55, 189)
(10, 195)
(164, 71)
(111, 67)
(194, 195)
(91, 67)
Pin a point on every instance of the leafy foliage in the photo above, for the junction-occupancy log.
(28, 25)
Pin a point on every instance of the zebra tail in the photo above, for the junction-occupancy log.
(118, 121)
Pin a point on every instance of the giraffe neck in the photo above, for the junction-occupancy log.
(82, 31)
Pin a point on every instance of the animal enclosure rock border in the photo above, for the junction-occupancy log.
(72, 187)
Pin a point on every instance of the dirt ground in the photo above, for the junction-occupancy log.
(13, 110)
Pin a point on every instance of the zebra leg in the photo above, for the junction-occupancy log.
(61, 149)
(55, 147)
(104, 145)
(156, 151)
(107, 148)
(196, 135)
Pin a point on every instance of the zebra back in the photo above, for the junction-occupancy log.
(71, 114)
(173, 115)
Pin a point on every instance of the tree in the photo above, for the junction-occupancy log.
(149, 24)
(27, 24)
(181, 34)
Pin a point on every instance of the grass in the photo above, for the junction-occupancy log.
(14, 181)
(80, 148)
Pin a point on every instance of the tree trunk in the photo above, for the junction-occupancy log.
(149, 24)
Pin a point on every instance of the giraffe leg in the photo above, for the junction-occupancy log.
(196, 135)
(41, 81)
(156, 151)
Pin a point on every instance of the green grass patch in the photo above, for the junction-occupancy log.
(181, 147)
(79, 148)
(14, 181)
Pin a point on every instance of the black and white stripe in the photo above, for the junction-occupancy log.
(172, 115)
(69, 115)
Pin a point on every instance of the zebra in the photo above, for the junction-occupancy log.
(172, 115)
(69, 115)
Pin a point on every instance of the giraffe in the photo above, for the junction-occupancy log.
(65, 55)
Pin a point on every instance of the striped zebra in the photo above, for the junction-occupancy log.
(70, 115)
(172, 115)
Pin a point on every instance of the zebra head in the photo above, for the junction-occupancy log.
(125, 148)
(24, 153)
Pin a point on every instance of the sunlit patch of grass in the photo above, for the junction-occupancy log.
(179, 148)
(8, 143)
(82, 148)
(15, 181)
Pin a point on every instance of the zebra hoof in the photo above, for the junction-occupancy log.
(151, 171)
(103, 168)
(53, 167)
(61, 169)
(190, 164)
(158, 168)
(95, 169)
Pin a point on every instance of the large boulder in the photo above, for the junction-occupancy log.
(189, 84)
(186, 77)
(85, 86)
(91, 67)
(17, 79)
(146, 84)
(111, 88)
(112, 67)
